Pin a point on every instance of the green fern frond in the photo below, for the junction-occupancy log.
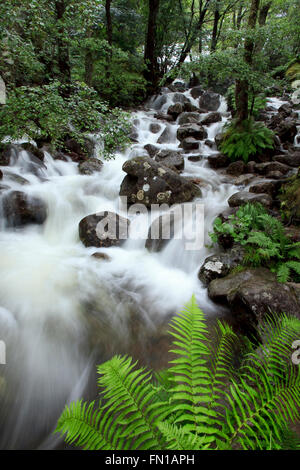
(178, 439)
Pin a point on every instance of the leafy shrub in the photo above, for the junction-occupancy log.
(201, 401)
(242, 141)
(255, 103)
(53, 112)
(264, 240)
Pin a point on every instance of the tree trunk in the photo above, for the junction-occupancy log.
(109, 30)
(214, 38)
(242, 86)
(150, 56)
(88, 62)
(263, 13)
(63, 58)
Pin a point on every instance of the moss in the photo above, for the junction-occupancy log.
(293, 70)
(290, 200)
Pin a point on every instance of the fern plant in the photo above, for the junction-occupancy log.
(201, 401)
(264, 240)
(246, 139)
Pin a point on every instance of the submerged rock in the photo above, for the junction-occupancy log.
(191, 130)
(20, 209)
(171, 159)
(149, 182)
(103, 230)
(91, 166)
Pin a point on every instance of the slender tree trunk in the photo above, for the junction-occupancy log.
(214, 38)
(63, 58)
(263, 14)
(242, 86)
(109, 30)
(89, 62)
(150, 56)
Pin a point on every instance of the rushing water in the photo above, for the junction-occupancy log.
(62, 309)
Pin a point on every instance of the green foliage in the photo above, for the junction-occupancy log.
(201, 401)
(264, 240)
(55, 111)
(255, 104)
(242, 141)
(290, 200)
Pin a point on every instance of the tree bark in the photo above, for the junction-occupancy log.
(242, 86)
(88, 62)
(214, 38)
(150, 56)
(263, 14)
(109, 30)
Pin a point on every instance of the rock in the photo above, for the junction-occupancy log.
(151, 149)
(2, 91)
(211, 118)
(217, 266)
(6, 152)
(190, 144)
(289, 159)
(286, 109)
(178, 86)
(217, 161)
(103, 230)
(236, 168)
(190, 108)
(250, 167)
(170, 158)
(180, 98)
(161, 231)
(16, 179)
(19, 209)
(148, 182)
(210, 143)
(210, 101)
(155, 128)
(251, 295)
(244, 180)
(38, 153)
(134, 137)
(164, 117)
(195, 158)
(196, 92)
(74, 147)
(175, 109)
(1, 175)
(268, 187)
(265, 168)
(101, 256)
(165, 136)
(218, 139)
(188, 118)
(191, 130)
(287, 130)
(243, 197)
(91, 166)
(275, 175)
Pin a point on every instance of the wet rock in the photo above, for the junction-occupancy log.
(178, 86)
(250, 167)
(211, 118)
(93, 165)
(190, 144)
(164, 117)
(268, 187)
(6, 152)
(101, 256)
(38, 153)
(218, 266)
(20, 209)
(244, 180)
(191, 130)
(218, 139)
(210, 101)
(155, 128)
(251, 295)
(16, 178)
(265, 168)
(188, 118)
(287, 130)
(134, 137)
(275, 175)
(165, 136)
(148, 182)
(292, 160)
(180, 98)
(195, 158)
(175, 109)
(1, 175)
(171, 159)
(243, 197)
(151, 149)
(210, 143)
(103, 230)
(196, 92)
(286, 109)
(236, 168)
(190, 108)
(217, 161)
(161, 231)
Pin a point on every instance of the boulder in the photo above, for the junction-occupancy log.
(243, 197)
(287, 130)
(236, 168)
(103, 230)
(6, 152)
(268, 186)
(190, 108)
(164, 117)
(175, 109)
(250, 167)
(190, 144)
(20, 209)
(211, 118)
(251, 295)
(165, 136)
(210, 101)
(151, 149)
(38, 153)
(149, 182)
(155, 128)
(195, 158)
(171, 159)
(196, 92)
(191, 130)
(101, 256)
(218, 266)
(292, 160)
(217, 161)
(244, 180)
(93, 165)
(180, 98)
(161, 231)
(265, 168)
(188, 118)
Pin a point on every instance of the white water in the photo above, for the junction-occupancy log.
(60, 306)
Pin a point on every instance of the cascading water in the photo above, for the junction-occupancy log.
(62, 309)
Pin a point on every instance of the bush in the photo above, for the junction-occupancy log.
(53, 112)
(202, 401)
(242, 141)
(264, 240)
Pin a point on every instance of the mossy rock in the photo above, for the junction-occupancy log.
(293, 70)
(290, 200)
